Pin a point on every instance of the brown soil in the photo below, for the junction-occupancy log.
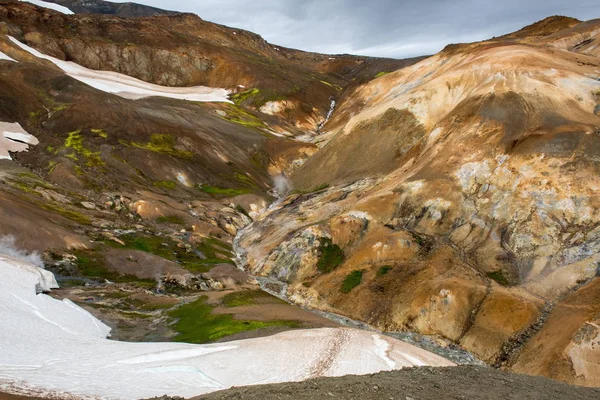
(464, 382)
(6, 396)
(270, 312)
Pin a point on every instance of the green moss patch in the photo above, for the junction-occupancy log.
(245, 180)
(100, 133)
(244, 96)
(384, 270)
(74, 141)
(338, 88)
(212, 250)
(223, 192)
(164, 144)
(236, 114)
(197, 324)
(73, 215)
(499, 277)
(314, 189)
(257, 98)
(331, 255)
(380, 74)
(31, 184)
(164, 184)
(351, 281)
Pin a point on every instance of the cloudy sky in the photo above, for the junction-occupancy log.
(386, 28)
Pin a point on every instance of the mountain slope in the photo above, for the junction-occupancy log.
(183, 50)
(463, 195)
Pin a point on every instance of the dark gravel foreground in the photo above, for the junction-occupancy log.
(463, 382)
(451, 383)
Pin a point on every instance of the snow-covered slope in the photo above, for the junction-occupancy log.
(126, 86)
(49, 346)
(5, 57)
(51, 6)
(13, 138)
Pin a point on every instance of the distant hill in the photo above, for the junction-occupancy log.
(106, 7)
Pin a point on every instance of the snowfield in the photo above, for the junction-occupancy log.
(127, 86)
(5, 57)
(51, 6)
(50, 347)
(13, 138)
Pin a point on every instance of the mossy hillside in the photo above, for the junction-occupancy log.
(101, 133)
(91, 264)
(197, 324)
(163, 144)
(30, 183)
(244, 96)
(74, 142)
(222, 192)
(169, 185)
(313, 189)
(31, 186)
(236, 114)
(212, 251)
(331, 255)
(384, 270)
(337, 88)
(499, 277)
(257, 98)
(69, 213)
(245, 180)
(351, 281)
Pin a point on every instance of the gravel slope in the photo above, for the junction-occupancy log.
(463, 382)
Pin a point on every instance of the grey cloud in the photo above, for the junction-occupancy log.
(386, 28)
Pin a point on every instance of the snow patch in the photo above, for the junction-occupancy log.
(13, 138)
(6, 58)
(54, 347)
(382, 348)
(126, 86)
(52, 6)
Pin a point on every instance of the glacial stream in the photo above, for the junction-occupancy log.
(328, 116)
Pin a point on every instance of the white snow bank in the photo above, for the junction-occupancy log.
(5, 57)
(13, 138)
(49, 347)
(51, 6)
(126, 86)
